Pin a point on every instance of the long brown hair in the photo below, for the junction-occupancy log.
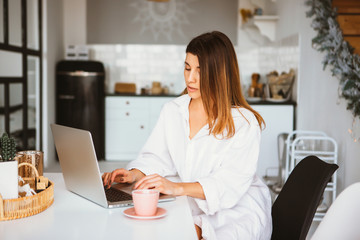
(220, 86)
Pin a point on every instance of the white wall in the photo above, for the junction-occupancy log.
(53, 52)
(74, 22)
(64, 24)
(146, 22)
(319, 107)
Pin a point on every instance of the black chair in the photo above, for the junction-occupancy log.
(296, 204)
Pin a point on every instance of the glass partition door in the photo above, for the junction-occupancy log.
(21, 72)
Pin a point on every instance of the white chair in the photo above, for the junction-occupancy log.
(342, 219)
(300, 144)
(298, 140)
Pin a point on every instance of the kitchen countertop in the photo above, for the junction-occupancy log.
(265, 102)
(140, 95)
(261, 102)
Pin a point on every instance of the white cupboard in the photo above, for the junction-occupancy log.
(128, 123)
(130, 119)
(278, 119)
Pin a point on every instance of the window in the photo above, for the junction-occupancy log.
(21, 72)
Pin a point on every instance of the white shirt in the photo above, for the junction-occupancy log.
(238, 203)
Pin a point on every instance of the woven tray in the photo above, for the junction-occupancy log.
(26, 206)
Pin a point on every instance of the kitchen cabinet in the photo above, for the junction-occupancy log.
(128, 123)
(279, 118)
(130, 119)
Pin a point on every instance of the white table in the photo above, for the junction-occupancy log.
(73, 217)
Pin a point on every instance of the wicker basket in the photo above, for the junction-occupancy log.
(26, 206)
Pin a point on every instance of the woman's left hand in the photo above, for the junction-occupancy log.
(155, 181)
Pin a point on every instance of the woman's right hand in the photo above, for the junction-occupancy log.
(120, 175)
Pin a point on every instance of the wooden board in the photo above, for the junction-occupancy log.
(349, 24)
(347, 6)
(354, 42)
(349, 21)
(125, 88)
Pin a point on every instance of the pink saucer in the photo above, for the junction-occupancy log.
(130, 212)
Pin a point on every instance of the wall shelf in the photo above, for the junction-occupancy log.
(267, 25)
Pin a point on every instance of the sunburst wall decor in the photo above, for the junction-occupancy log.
(166, 19)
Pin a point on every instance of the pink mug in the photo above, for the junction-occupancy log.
(145, 201)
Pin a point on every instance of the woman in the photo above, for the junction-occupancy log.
(210, 137)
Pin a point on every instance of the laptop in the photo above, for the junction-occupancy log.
(81, 171)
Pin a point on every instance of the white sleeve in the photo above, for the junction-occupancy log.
(154, 156)
(224, 187)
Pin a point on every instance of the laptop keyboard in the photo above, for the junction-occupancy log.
(113, 195)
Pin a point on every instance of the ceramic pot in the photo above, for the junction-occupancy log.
(9, 179)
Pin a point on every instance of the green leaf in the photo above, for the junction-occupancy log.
(349, 85)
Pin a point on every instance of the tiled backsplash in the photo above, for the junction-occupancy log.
(280, 56)
(143, 64)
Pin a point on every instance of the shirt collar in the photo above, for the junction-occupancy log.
(183, 104)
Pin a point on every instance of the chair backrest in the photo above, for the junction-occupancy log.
(296, 204)
(342, 219)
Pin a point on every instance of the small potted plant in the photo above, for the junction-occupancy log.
(8, 168)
